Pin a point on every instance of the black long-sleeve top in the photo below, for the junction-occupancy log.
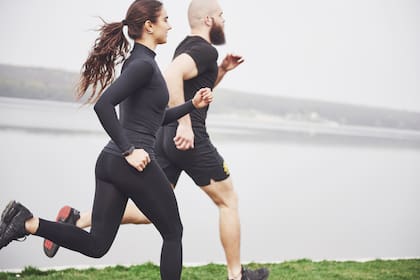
(142, 95)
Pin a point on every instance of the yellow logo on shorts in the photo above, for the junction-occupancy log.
(225, 168)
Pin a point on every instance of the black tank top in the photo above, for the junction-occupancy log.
(205, 57)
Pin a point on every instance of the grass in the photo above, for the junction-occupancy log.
(292, 270)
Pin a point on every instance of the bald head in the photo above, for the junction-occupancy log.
(199, 9)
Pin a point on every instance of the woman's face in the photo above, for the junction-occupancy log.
(161, 27)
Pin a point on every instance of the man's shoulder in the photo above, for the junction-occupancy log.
(195, 43)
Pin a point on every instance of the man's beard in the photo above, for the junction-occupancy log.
(217, 35)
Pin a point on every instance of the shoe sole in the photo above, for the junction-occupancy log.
(50, 248)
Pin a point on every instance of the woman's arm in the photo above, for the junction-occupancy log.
(201, 99)
(136, 75)
(174, 113)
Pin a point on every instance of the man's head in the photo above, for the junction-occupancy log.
(207, 14)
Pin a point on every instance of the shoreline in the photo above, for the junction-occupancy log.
(53, 117)
(193, 264)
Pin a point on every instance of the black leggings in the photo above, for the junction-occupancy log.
(116, 181)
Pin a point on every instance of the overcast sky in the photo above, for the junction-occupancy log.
(354, 51)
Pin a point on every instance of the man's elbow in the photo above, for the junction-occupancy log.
(174, 102)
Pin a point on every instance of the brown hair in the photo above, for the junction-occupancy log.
(111, 48)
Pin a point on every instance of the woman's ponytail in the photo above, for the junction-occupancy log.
(98, 71)
(112, 47)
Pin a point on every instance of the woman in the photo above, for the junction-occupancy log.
(126, 167)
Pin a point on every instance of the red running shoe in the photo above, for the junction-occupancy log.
(67, 215)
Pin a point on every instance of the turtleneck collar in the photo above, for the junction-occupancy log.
(139, 48)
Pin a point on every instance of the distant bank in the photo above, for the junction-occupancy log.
(58, 85)
(46, 116)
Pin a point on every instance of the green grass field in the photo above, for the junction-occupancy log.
(292, 270)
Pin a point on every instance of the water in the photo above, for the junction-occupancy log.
(300, 197)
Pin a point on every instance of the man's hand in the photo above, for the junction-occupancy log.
(231, 61)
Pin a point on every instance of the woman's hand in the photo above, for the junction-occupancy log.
(202, 98)
(138, 159)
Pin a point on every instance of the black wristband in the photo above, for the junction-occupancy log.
(129, 151)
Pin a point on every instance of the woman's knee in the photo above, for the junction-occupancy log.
(98, 248)
(175, 233)
(179, 231)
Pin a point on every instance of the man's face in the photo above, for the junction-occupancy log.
(217, 32)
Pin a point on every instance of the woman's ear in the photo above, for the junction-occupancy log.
(148, 26)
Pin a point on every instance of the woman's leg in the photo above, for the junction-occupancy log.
(161, 207)
(151, 191)
(108, 208)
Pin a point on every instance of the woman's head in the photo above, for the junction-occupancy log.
(145, 20)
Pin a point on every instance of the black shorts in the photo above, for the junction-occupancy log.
(202, 164)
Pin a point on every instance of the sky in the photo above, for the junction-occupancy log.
(364, 52)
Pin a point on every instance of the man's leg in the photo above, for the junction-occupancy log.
(224, 196)
(132, 215)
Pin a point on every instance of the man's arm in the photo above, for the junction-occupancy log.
(181, 68)
(230, 62)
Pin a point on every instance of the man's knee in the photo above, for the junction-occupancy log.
(223, 194)
(230, 200)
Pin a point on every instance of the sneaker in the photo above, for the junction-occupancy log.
(13, 220)
(2, 228)
(258, 274)
(6, 212)
(68, 215)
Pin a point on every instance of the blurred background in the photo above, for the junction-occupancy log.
(320, 128)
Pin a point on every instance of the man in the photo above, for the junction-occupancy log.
(185, 145)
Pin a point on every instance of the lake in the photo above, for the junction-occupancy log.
(305, 190)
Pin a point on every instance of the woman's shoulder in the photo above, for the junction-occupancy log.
(138, 63)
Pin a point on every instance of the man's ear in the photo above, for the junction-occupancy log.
(208, 20)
